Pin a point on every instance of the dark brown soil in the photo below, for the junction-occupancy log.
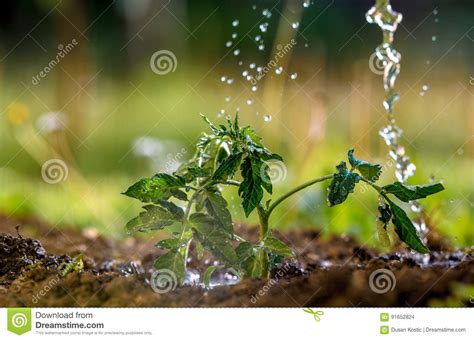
(334, 272)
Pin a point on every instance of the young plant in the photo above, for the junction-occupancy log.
(189, 203)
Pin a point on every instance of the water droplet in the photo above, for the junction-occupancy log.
(258, 37)
(267, 118)
(263, 27)
(230, 81)
(240, 63)
(306, 3)
(294, 75)
(279, 70)
(259, 69)
(261, 47)
(221, 113)
(236, 52)
(252, 65)
(249, 101)
(223, 78)
(433, 38)
(228, 44)
(227, 99)
(436, 20)
(245, 73)
(254, 7)
(254, 88)
(234, 35)
(295, 25)
(435, 11)
(266, 13)
(235, 23)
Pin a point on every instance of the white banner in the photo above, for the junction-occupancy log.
(236, 323)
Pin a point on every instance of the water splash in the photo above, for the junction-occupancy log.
(388, 19)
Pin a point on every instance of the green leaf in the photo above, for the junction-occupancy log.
(228, 168)
(174, 262)
(212, 126)
(370, 171)
(212, 237)
(160, 186)
(244, 250)
(199, 249)
(250, 189)
(408, 193)
(172, 243)
(216, 206)
(275, 246)
(153, 218)
(342, 184)
(208, 274)
(198, 172)
(406, 230)
(175, 211)
(253, 266)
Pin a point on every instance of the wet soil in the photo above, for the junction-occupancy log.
(39, 267)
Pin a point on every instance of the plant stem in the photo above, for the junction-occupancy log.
(295, 190)
(263, 216)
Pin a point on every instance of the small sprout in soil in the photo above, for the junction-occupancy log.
(189, 203)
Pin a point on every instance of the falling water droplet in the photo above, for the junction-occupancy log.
(245, 73)
(267, 118)
(254, 88)
(221, 113)
(279, 70)
(227, 98)
(433, 38)
(223, 78)
(230, 81)
(424, 88)
(235, 23)
(249, 101)
(236, 52)
(263, 27)
(252, 65)
(266, 13)
(295, 25)
(261, 47)
(258, 37)
(234, 35)
(294, 75)
(228, 44)
(306, 3)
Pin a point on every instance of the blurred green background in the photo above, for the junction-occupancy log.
(103, 111)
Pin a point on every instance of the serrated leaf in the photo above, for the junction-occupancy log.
(212, 126)
(208, 274)
(153, 218)
(198, 172)
(408, 193)
(250, 189)
(174, 262)
(228, 168)
(275, 246)
(175, 211)
(211, 236)
(160, 186)
(216, 206)
(406, 230)
(370, 171)
(342, 184)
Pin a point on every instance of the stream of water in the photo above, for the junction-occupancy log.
(383, 15)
